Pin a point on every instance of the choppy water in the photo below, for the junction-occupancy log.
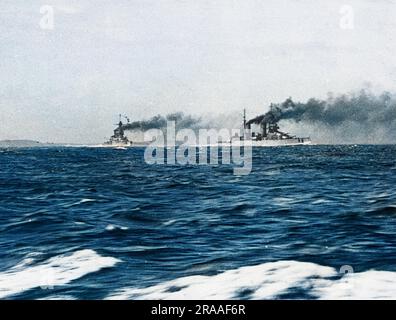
(98, 223)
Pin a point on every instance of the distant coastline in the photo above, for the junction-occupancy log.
(23, 144)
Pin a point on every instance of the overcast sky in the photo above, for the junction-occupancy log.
(144, 57)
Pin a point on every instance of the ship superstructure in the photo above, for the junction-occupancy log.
(119, 139)
(266, 132)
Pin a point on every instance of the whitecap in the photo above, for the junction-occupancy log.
(272, 172)
(368, 285)
(59, 297)
(86, 200)
(271, 281)
(55, 271)
(320, 201)
(283, 201)
(264, 281)
(111, 227)
(169, 222)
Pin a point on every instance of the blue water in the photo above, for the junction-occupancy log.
(328, 205)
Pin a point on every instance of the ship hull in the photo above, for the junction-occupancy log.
(117, 145)
(125, 145)
(236, 143)
(269, 143)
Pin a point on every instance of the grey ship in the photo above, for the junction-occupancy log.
(267, 134)
(118, 139)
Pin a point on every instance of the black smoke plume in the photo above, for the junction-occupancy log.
(360, 117)
(160, 122)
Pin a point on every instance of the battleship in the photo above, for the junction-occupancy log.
(118, 139)
(266, 134)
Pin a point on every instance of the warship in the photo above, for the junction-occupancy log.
(266, 134)
(118, 139)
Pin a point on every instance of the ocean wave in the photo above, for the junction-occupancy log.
(112, 227)
(271, 281)
(263, 281)
(58, 270)
(386, 211)
(135, 249)
(169, 222)
(368, 285)
(82, 201)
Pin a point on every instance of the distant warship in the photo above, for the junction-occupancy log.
(267, 134)
(118, 139)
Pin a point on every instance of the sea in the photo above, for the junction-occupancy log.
(308, 222)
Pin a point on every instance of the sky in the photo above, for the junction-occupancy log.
(147, 57)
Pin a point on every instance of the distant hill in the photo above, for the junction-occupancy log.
(21, 144)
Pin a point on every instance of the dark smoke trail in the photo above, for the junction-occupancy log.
(355, 117)
(160, 122)
(363, 108)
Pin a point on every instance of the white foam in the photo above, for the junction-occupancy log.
(265, 281)
(59, 297)
(111, 227)
(283, 201)
(58, 270)
(320, 201)
(366, 285)
(168, 223)
(269, 281)
(82, 201)
(271, 172)
(85, 200)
